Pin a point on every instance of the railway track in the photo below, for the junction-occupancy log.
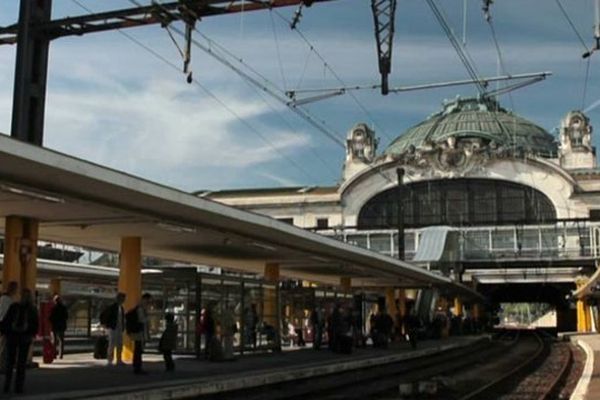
(538, 376)
(513, 366)
(370, 382)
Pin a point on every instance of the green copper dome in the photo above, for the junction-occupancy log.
(480, 119)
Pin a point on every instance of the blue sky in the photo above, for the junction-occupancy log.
(111, 102)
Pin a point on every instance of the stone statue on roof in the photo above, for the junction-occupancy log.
(576, 133)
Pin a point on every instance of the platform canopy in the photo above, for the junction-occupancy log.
(84, 204)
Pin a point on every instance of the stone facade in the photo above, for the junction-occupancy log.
(569, 178)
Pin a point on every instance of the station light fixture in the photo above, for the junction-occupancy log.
(32, 194)
(262, 246)
(176, 227)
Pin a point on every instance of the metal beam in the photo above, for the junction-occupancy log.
(145, 15)
(384, 12)
(31, 70)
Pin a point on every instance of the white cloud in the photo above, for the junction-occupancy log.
(158, 127)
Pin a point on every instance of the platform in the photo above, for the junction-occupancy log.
(588, 387)
(78, 376)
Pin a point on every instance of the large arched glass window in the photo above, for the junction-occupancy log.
(458, 202)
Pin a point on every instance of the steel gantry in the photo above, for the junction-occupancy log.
(384, 12)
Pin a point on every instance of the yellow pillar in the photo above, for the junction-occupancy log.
(345, 284)
(588, 318)
(458, 307)
(130, 281)
(581, 320)
(390, 301)
(20, 252)
(583, 310)
(444, 305)
(54, 287)
(402, 302)
(401, 309)
(270, 295)
(476, 313)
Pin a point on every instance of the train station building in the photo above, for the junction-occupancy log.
(488, 198)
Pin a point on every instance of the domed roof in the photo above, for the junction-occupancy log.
(481, 119)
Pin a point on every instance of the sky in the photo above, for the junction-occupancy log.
(112, 102)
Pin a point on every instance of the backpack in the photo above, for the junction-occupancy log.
(20, 323)
(132, 321)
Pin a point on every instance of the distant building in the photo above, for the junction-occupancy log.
(522, 206)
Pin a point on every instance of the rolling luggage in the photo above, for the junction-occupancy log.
(48, 351)
(101, 348)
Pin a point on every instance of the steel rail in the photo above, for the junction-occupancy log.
(484, 392)
(550, 391)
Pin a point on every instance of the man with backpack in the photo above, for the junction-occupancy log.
(6, 300)
(20, 325)
(137, 329)
(58, 319)
(113, 318)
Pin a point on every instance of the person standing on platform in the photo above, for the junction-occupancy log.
(335, 327)
(316, 319)
(411, 325)
(138, 330)
(113, 317)
(58, 318)
(20, 325)
(250, 325)
(210, 328)
(228, 328)
(168, 341)
(6, 300)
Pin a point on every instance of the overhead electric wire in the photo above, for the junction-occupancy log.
(500, 60)
(304, 114)
(585, 82)
(208, 92)
(257, 91)
(586, 48)
(457, 46)
(329, 68)
(571, 24)
(300, 111)
(283, 80)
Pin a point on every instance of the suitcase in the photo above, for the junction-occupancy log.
(48, 351)
(101, 348)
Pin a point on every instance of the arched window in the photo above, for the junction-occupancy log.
(457, 202)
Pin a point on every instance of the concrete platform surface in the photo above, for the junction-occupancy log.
(588, 387)
(79, 376)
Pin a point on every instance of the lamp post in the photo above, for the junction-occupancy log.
(400, 208)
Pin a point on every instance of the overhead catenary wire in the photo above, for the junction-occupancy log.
(329, 68)
(572, 25)
(500, 58)
(209, 93)
(266, 85)
(457, 46)
(585, 47)
(274, 28)
(212, 44)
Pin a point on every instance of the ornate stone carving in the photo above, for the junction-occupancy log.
(452, 157)
(576, 133)
(361, 144)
